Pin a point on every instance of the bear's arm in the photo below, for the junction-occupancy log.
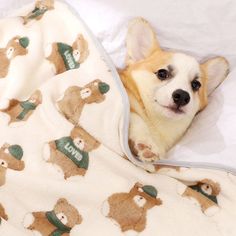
(141, 224)
(115, 199)
(65, 234)
(52, 144)
(72, 89)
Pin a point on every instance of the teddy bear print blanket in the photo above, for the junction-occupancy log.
(63, 119)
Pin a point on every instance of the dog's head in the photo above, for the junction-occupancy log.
(172, 85)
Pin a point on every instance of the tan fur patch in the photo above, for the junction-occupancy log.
(61, 157)
(75, 98)
(211, 188)
(41, 7)
(126, 211)
(7, 161)
(46, 225)
(149, 64)
(64, 58)
(3, 214)
(22, 110)
(203, 90)
(12, 50)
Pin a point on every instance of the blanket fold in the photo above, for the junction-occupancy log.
(64, 128)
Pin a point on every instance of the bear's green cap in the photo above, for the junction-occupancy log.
(150, 190)
(103, 87)
(24, 42)
(16, 151)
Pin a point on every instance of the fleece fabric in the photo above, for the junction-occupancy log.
(63, 166)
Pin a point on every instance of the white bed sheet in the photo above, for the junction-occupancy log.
(201, 28)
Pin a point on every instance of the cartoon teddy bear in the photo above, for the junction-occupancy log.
(129, 210)
(205, 192)
(17, 46)
(71, 154)
(58, 222)
(65, 57)
(3, 215)
(41, 7)
(22, 110)
(74, 99)
(10, 158)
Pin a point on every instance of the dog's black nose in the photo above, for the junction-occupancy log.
(181, 97)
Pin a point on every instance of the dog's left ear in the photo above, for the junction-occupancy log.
(216, 70)
(141, 41)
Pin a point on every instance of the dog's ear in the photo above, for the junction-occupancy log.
(141, 40)
(215, 70)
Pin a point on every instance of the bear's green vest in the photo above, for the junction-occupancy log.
(68, 148)
(66, 52)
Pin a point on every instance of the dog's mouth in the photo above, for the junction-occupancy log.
(175, 109)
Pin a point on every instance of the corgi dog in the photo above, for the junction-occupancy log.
(166, 89)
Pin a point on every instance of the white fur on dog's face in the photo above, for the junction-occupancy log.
(145, 58)
(158, 94)
(184, 70)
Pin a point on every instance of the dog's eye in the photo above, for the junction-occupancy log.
(163, 74)
(196, 85)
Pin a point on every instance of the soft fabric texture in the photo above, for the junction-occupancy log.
(203, 29)
(63, 169)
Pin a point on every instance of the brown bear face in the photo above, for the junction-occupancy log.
(10, 158)
(8, 161)
(36, 98)
(45, 4)
(83, 140)
(204, 193)
(67, 213)
(80, 49)
(141, 198)
(94, 92)
(208, 188)
(17, 47)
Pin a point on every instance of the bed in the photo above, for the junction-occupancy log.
(66, 173)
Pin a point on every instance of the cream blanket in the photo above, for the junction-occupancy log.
(64, 122)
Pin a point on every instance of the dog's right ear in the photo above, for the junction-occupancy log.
(141, 40)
